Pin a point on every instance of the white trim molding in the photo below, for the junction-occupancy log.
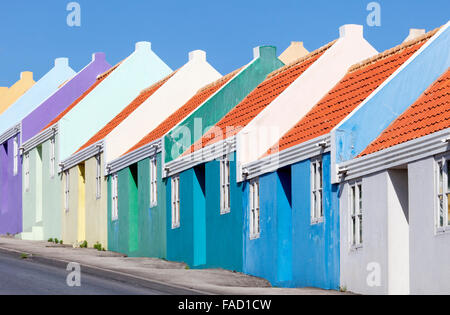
(135, 156)
(209, 153)
(295, 154)
(395, 156)
(40, 138)
(81, 156)
(11, 132)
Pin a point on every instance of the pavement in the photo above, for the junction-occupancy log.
(112, 273)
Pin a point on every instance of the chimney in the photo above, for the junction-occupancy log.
(26, 75)
(295, 51)
(98, 56)
(61, 62)
(199, 55)
(351, 30)
(143, 46)
(264, 51)
(414, 33)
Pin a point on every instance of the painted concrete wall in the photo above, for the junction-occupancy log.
(123, 233)
(290, 251)
(138, 71)
(150, 222)
(63, 97)
(38, 93)
(285, 111)
(10, 185)
(179, 89)
(70, 223)
(429, 253)
(216, 107)
(86, 219)
(43, 195)
(224, 237)
(96, 228)
(354, 263)
(11, 95)
(375, 114)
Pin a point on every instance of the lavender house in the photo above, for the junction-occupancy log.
(51, 95)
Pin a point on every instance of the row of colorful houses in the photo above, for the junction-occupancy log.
(320, 169)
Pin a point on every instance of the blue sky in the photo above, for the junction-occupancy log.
(34, 33)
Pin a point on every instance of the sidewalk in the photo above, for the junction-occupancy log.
(210, 281)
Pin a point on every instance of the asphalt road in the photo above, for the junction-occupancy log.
(25, 277)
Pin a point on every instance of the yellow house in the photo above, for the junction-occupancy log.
(11, 95)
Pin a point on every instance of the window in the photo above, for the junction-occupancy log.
(255, 229)
(356, 210)
(27, 171)
(98, 176)
(16, 156)
(52, 157)
(316, 191)
(66, 190)
(115, 198)
(443, 213)
(224, 186)
(153, 182)
(175, 202)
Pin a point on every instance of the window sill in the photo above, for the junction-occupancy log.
(225, 211)
(153, 205)
(356, 248)
(317, 221)
(443, 231)
(174, 227)
(115, 219)
(255, 237)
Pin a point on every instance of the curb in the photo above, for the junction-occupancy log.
(108, 274)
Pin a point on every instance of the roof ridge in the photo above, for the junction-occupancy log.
(107, 72)
(163, 80)
(219, 81)
(394, 50)
(301, 59)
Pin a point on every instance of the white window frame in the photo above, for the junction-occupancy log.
(442, 195)
(16, 155)
(175, 201)
(153, 182)
(356, 208)
(52, 157)
(114, 197)
(254, 207)
(98, 176)
(225, 197)
(66, 190)
(27, 171)
(317, 210)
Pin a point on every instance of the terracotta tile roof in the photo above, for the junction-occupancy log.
(138, 101)
(202, 95)
(361, 80)
(243, 113)
(429, 114)
(100, 78)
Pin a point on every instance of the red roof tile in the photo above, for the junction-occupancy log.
(361, 80)
(138, 101)
(197, 100)
(243, 113)
(99, 80)
(429, 114)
